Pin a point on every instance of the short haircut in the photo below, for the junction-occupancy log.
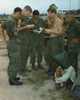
(52, 9)
(71, 13)
(35, 12)
(17, 9)
(53, 5)
(28, 8)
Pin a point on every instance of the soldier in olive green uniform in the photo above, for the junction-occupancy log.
(13, 46)
(73, 39)
(36, 39)
(24, 44)
(24, 36)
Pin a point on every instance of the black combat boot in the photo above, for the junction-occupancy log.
(15, 82)
(40, 67)
(34, 67)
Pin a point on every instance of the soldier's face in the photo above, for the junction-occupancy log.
(35, 17)
(51, 14)
(26, 13)
(18, 14)
(68, 18)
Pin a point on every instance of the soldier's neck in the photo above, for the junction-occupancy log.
(14, 16)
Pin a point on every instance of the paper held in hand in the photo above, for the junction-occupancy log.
(38, 32)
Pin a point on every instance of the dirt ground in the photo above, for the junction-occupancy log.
(37, 86)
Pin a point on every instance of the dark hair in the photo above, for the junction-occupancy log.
(71, 13)
(28, 8)
(35, 12)
(17, 9)
(52, 9)
(53, 5)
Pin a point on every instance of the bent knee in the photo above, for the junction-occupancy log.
(58, 70)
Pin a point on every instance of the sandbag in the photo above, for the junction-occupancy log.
(62, 60)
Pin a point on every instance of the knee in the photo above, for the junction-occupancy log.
(58, 70)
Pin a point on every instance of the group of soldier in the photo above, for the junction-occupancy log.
(26, 38)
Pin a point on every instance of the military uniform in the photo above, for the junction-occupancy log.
(36, 41)
(13, 47)
(24, 44)
(54, 47)
(74, 48)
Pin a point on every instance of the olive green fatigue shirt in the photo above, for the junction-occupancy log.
(13, 46)
(74, 32)
(37, 39)
(24, 34)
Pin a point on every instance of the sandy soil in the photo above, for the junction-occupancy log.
(37, 86)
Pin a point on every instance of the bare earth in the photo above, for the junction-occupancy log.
(37, 86)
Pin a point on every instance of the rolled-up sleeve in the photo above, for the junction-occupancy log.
(13, 26)
(3, 26)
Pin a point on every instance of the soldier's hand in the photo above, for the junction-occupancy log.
(16, 33)
(47, 30)
(29, 26)
(6, 41)
(43, 29)
(34, 31)
(19, 22)
(75, 40)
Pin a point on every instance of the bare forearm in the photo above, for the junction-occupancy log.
(53, 31)
(25, 27)
(2, 35)
(22, 28)
(76, 40)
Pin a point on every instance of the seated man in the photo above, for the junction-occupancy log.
(65, 73)
(64, 77)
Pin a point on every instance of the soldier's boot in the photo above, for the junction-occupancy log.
(15, 82)
(40, 67)
(49, 70)
(34, 67)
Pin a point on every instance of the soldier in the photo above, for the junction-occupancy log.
(55, 44)
(13, 45)
(25, 39)
(73, 39)
(37, 40)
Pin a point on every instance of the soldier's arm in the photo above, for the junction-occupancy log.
(25, 27)
(28, 26)
(55, 31)
(77, 40)
(3, 35)
(3, 27)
